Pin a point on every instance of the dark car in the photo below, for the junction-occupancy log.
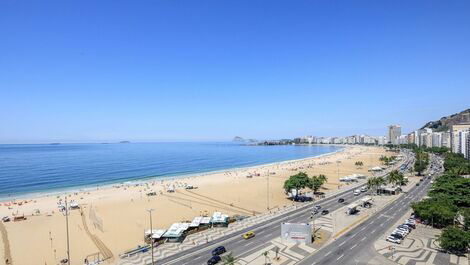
(302, 198)
(324, 212)
(340, 200)
(218, 250)
(214, 260)
(397, 236)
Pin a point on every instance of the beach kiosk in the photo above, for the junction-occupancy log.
(156, 235)
(176, 233)
(376, 169)
(352, 208)
(366, 202)
(219, 220)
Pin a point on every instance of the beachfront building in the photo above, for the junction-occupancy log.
(455, 137)
(468, 147)
(177, 232)
(156, 235)
(219, 220)
(394, 132)
(463, 136)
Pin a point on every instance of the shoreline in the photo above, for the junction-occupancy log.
(143, 180)
(121, 211)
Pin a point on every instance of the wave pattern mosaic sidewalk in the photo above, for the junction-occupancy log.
(419, 248)
(193, 240)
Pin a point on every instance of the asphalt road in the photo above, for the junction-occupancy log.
(356, 246)
(265, 232)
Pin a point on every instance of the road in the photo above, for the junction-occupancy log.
(356, 246)
(265, 232)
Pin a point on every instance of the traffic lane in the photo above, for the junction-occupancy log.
(216, 242)
(240, 247)
(364, 236)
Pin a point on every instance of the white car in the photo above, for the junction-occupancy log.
(357, 192)
(393, 240)
(363, 189)
(400, 231)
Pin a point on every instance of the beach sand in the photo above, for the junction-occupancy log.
(113, 219)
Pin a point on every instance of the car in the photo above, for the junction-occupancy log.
(325, 212)
(393, 240)
(407, 228)
(317, 207)
(357, 192)
(214, 260)
(397, 235)
(363, 189)
(417, 184)
(315, 211)
(400, 230)
(218, 250)
(411, 225)
(249, 235)
(6, 219)
(340, 200)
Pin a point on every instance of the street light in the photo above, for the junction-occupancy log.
(151, 232)
(67, 229)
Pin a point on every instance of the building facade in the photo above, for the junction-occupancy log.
(394, 132)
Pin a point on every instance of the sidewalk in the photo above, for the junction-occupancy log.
(169, 249)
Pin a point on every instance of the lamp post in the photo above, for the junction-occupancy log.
(67, 229)
(151, 232)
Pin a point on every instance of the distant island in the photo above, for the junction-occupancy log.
(238, 139)
(124, 142)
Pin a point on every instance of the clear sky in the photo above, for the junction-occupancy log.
(82, 71)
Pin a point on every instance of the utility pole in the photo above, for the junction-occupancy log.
(151, 232)
(67, 228)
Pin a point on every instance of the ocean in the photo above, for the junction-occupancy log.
(36, 168)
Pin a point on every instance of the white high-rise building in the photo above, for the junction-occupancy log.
(445, 141)
(463, 139)
(468, 147)
(454, 136)
(394, 132)
(436, 139)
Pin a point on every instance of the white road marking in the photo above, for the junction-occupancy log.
(354, 246)
(373, 231)
(340, 257)
(328, 253)
(342, 243)
(364, 238)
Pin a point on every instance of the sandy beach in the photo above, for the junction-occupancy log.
(113, 219)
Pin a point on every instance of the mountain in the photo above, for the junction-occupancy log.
(445, 123)
(238, 139)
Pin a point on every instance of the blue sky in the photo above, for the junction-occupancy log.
(83, 71)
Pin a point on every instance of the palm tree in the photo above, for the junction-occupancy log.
(265, 254)
(229, 259)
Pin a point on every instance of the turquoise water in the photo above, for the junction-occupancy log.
(44, 167)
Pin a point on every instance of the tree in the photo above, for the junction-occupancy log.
(454, 240)
(359, 164)
(316, 182)
(396, 178)
(374, 183)
(296, 182)
(265, 254)
(229, 259)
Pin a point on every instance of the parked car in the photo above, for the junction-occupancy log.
(218, 250)
(214, 260)
(393, 240)
(302, 198)
(399, 236)
(6, 219)
(325, 212)
(340, 200)
(249, 235)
